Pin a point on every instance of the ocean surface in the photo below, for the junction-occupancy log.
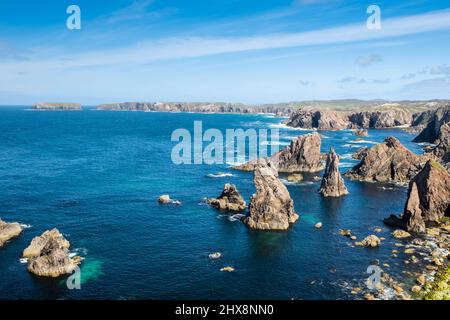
(96, 176)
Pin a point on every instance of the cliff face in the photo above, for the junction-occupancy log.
(271, 206)
(230, 199)
(442, 150)
(278, 109)
(381, 119)
(320, 119)
(389, 161)
(332, 183)
(428, 198)
(48, 255)
(302, 155)
(436, 119)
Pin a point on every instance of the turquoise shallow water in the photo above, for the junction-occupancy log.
(96, 176)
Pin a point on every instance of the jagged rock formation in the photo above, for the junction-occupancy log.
(58, 106)
(360, 153)
(437, 118)
(271, 206)
(230, 199)
(389, 161)
(302, 155)
(48, 255)
(442, 150)
(428, 199)
(332, 183)
(8, 231)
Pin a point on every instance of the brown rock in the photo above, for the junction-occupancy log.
(389, 161)
(428, 197)
(271, 207)
(296, 177)
(369, 241)
(360, 153)
(230, 199)
(8, 231)
(318, 119)
(332, 183)
(48, 255)
(361, 133)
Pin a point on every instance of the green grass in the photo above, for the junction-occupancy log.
(440, 288)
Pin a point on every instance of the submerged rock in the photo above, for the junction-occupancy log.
(361, 133)
(389, 161)
(230, 199)
(271, 207)
(8, 231)
(165, 198)
(296, 177)
(215, 255)
(48, 255)
(332, 183)
(369, 241)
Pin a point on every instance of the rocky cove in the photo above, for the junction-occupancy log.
(293, 207)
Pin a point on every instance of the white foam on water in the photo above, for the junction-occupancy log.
(236, 217)
(219, 175)
(26, 226)
(347, 156)
(286, 127)
(23, 260)
(346, 164)
(363, 141)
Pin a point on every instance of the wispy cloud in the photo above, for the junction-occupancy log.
(408, 76)
(356, 80)
(368, 60)
(189, 47)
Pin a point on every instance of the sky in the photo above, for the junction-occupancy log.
(249, 51)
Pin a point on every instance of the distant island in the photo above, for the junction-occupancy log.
(58, 106)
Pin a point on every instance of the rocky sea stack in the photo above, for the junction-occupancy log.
(230, 199)
(271, 206)
(302, 155)
(48, 255)
(389, 161)
(8, 231)
(428, 199)
(332, 183)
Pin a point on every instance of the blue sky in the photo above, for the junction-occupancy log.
(215, 50)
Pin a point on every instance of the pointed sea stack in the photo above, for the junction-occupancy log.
(389, 161)
(332, 182)
(271, 207)
(428, 199)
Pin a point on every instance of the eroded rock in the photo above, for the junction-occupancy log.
(332, 183)
(229, 200)
(8, 231)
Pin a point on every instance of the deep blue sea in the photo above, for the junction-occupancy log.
(96, 176)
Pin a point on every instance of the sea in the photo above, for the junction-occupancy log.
(96, 176)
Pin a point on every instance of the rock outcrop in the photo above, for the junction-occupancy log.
(437, 118)
(8, 231)
(229, 200)
(332, 183)
(442, 150)
(271, 206)
(381, 119)
(48, 255)
(428, 199)
(389, 161)
(302, 155)
(360, 153)
(58, 106)
(318, 119)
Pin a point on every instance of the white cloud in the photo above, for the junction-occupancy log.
(368, 60)
(190, 47)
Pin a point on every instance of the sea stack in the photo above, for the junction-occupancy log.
(389, 161)
(230, 199)
(271, 207)
(332, 183)
(428, 199)
(8, 231)
(48, 255)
